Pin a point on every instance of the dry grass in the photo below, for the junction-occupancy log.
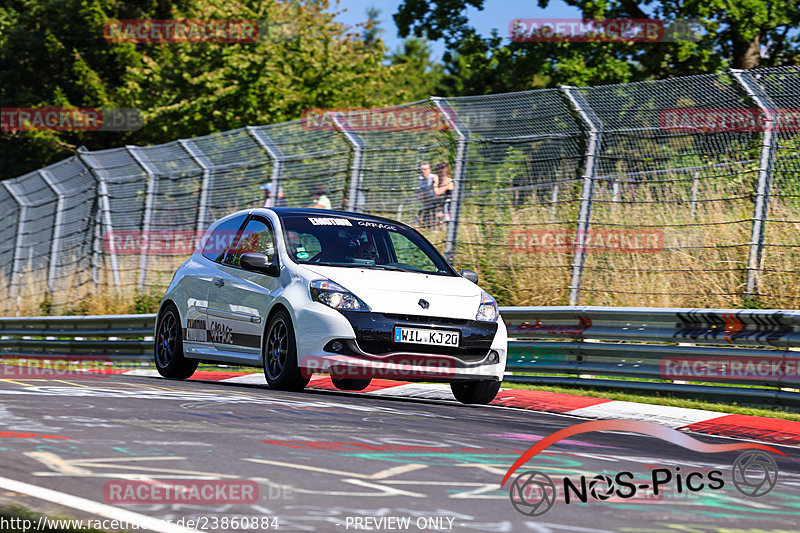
(702, 263)
(77, 294)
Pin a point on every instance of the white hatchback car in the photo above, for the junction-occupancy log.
(304, 291)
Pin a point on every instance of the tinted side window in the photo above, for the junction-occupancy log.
(222, 238)
(409, 254)
(256, 237)
(302, 245)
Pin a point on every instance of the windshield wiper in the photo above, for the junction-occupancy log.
(393, 268)
(358, 265)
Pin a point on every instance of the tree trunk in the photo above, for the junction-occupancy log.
(746, 54)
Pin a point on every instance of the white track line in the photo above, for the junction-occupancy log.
(92, 507)
(665, 415)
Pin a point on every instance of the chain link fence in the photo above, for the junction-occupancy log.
(676, 193)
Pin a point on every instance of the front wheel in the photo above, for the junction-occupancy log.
(168, 349)
(480, 392)
(280, 355)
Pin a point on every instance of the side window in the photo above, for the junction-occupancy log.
(221, 239)
(409, 254)
(302, 246)
(256, 237)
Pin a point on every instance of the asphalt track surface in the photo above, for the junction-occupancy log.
(323, 460)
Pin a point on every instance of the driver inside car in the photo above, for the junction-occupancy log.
(365, 253)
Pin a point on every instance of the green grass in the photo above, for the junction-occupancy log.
(786, 413)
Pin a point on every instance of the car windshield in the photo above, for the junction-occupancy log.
(351, 241)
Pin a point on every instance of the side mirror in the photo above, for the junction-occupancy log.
(470, 275)
(259, 263)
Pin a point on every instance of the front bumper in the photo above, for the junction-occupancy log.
(369, 350)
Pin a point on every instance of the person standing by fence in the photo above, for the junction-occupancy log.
(425, 192)
(442, 191)
(321, 201)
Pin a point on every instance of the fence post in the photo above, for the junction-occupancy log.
(695, 184)
(449, 115)
(152, 184)
(57, 226)
(274, 153)
(587, 192)
(104, 213)
(353, 203)
(768, 147)
(554, 200)
(198, 157)
(16, 265)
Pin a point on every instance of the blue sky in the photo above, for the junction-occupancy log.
(495, 14)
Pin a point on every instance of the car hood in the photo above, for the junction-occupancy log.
(400, 292)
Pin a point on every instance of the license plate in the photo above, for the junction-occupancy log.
(427, 336)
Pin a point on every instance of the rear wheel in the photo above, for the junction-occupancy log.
(351, 384)
(481, 392)
(168, 349)
(280, 355)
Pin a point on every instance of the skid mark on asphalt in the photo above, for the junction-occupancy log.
(382, 474)
(83, 467)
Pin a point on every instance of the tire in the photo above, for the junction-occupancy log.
(480, 392)
(351, 384)
(168, 349)
(280, 355)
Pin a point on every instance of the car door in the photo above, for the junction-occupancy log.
(239, 299)
(197, 282)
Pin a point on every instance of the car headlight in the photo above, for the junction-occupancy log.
(487, 311)
(334, 295)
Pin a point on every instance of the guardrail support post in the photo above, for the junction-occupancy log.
(274, 153)
(104, 213)
(587, 192)
(152, 184)
(57, 226)
(198, 157)
(16, 265)
(769, 144)
(459, 173)
(353, 200)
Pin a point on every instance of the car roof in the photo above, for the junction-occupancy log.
(313, 211)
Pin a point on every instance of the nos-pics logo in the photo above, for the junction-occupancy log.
(754, 472)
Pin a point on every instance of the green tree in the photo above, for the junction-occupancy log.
(307, 60)
(52, 53)
(416, 76)
(735, 33)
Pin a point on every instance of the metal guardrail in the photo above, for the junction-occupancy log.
(548, 345)
(643, 343)
(120, 337)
